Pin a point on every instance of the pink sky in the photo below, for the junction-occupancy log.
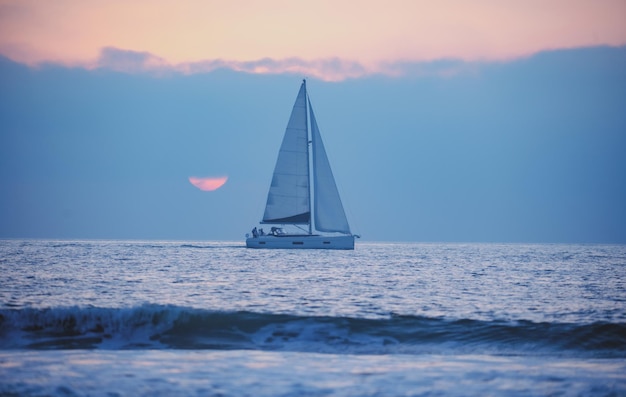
(368, 34)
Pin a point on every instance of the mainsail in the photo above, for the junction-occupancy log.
(288, 199)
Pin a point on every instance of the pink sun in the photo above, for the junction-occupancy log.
(208, 184)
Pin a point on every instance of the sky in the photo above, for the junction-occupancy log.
(482, 121)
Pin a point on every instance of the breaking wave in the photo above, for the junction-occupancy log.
(163, 327)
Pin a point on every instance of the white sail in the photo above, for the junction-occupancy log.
(288, 200)
(329, 214)
(289, 197)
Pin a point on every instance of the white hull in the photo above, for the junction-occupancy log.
(302, 242)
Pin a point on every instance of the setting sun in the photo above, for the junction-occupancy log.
(208, 184)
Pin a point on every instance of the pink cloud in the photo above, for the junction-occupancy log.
(130, 61)
(208, 184)
(331, 69)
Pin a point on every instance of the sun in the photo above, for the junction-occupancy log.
(208, 184)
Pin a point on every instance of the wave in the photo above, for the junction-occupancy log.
(214, 246)
(162, 327)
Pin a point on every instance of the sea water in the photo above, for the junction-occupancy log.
(117, 318)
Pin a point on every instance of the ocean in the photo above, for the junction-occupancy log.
(172, 318)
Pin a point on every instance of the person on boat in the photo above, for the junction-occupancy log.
(261, 232)
(255, 234)
(276, 231)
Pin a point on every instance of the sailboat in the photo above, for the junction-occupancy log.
(289, 197)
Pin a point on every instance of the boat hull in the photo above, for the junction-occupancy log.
(301, 242)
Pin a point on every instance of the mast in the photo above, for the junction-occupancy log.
(308, 166)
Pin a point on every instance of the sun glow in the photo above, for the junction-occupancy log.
(208, 184)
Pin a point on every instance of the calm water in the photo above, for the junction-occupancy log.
(175, 318)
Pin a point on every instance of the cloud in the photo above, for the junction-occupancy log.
(329, 69)
(133, 62)
(332, 69)
(530, 151)
(128, 61)
(439, 68)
